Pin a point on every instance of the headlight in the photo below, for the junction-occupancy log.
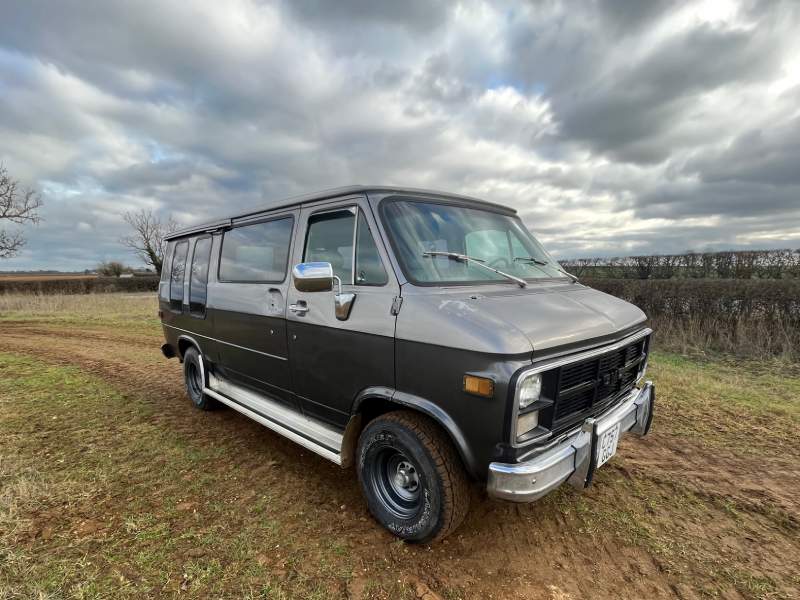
(529, 390)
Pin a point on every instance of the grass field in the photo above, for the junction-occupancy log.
(111, 485)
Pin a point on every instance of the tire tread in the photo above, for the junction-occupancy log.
(447, 462)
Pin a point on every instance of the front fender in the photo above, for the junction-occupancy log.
(427, 407)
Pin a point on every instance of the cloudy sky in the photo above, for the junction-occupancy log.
(613, 126)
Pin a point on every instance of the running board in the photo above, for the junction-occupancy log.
(311, 434)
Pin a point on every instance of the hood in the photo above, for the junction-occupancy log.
(538, 318)
(564, 316)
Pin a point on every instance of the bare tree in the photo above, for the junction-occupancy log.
(111, 268)
(19, 207)
(148, 235)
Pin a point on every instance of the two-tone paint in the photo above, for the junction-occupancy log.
(401, 345)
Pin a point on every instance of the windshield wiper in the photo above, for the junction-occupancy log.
(479, 262)
(536, 261)
(531, 259)
(570, 275)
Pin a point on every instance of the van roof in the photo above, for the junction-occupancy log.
(323, 195)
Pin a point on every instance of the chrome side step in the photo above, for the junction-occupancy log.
(311, 434)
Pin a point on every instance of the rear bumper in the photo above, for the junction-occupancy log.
(573, 459)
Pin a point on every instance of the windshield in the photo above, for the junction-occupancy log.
(417, 228)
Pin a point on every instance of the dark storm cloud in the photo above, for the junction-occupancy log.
(627, 105)
(766, 156)
(628, 16)
(412, 15)
(729, 198)
(630, 115)
(611, 125)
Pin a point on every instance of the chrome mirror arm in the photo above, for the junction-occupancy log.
(343, 302)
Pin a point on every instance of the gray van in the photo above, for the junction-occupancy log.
(425, 338)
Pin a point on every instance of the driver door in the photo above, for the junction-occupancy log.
(332, 359)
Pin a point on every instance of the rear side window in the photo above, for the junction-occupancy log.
(167, 262)
(163, 284)
(256, 253)
(198, 283)
(176, 275)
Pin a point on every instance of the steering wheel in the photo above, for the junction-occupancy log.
(499, 262)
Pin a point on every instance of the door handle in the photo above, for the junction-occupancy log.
(300, 308)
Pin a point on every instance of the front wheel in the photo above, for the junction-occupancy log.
(412, 477)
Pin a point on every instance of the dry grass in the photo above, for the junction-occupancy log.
(132, 494)
(76, 284)
(129, 311)
(22, 488)
(757, 319)
(142, 305)
(752, 339)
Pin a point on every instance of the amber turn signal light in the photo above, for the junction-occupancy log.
(480, 386)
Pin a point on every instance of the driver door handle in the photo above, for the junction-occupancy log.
(300, 308)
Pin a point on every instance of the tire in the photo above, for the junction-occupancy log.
(412, 477)
(193, 376)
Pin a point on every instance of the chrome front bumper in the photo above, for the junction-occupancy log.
(573, 459)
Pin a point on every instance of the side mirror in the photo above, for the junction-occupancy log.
(313, 277)
(319, 277)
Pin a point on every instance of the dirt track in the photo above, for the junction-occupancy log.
(747, 513)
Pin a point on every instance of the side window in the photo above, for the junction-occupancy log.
(163, 283)
(198, 282)
(167, 261)
(256, 253)
(176, 275)
(369, 268)
(330, 239)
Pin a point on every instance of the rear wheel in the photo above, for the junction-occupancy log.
(412, 477)
(194, 377)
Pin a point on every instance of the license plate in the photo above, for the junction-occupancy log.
(607, 445)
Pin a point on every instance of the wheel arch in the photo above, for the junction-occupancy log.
(184, 342)
(375, 401)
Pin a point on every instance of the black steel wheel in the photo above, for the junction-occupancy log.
(412, 477)
(396, 481)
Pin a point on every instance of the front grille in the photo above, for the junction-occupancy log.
(596, 381)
